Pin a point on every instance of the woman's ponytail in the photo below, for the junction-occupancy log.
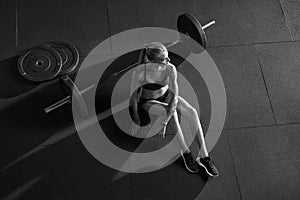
(142, 56)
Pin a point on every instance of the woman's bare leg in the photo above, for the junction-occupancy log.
(182, 141)
(205, 161)
(191, 113)
(189, 161)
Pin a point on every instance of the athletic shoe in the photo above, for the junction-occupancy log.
(189, 162)
(208, 165)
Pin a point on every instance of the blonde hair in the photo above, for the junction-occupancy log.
(155, 51)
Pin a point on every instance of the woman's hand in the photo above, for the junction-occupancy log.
(134, 128)
(162, 133)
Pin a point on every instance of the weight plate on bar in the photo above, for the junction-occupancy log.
(190, 26)
(68, 53)
(40, 64)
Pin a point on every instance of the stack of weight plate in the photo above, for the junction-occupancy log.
(48, 61)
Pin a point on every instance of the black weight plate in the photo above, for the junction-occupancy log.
(40, 64)
(190, 26)
(68, 53)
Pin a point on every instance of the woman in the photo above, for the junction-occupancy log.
(154, 82)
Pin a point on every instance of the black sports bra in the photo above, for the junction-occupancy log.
(153, 86)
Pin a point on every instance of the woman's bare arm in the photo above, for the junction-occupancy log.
(173, 86)
(133, 91)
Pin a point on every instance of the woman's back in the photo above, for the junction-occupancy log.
(152, 74)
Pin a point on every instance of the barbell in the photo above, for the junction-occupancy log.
(187, 24)
(191, 29)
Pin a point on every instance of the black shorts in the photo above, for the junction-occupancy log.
(144, 115)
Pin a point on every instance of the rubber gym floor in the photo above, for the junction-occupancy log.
(255, 45)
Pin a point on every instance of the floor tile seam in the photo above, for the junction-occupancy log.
(262, 126)
(253, 43)
(266, 86)
(109, 25)
(131, 186)
(286, 20)
(16, 23)
(234, 167)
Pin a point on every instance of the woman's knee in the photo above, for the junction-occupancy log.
(155, 108)
(187, 109)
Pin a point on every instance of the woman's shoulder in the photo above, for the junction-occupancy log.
(171, 68)
(138, 71)
(139, 68)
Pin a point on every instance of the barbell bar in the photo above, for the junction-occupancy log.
(65, 100)
(187, 24)
(208, 24)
